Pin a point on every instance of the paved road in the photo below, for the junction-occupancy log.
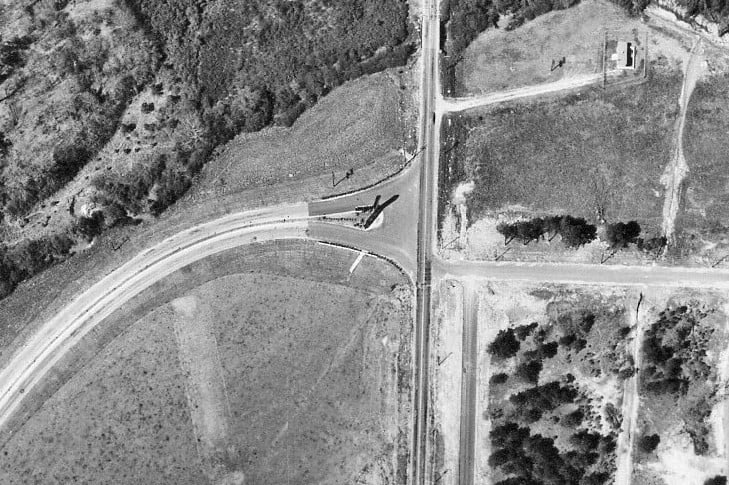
(428, 139)
(583, 274)
(469, 386)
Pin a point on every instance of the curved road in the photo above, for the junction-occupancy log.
(60, 333)
(405, 237)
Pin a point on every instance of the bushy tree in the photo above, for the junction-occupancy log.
(573, 419)
(523, 331)
(576, 231)
(717, 480)
(648, 443)
(499, 378)
(529, 371)
(620, 235)
(505, 344)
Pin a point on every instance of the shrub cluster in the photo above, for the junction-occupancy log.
(29, 257)
(533, 459)
(675, 349)
(247, 64)
(575, 231)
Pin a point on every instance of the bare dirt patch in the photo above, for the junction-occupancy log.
(315, 363)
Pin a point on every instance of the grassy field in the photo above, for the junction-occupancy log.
(703, 222)
(500, 59)
(122, 419)
(559, 380)
(684, 406)
(594, 153)
(323, 387)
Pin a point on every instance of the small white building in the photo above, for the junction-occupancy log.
(625, 55)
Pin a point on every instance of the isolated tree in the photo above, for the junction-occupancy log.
(508, 435)
(652, 245)
(528, 231)
(717, 480)
(573, 419)
(505, 344)
(620, 235)
(648, 443)
(90, 227)
(585, 441)
(596, 478)
(523, 331)
(499, 378)
(5, 145)
(576, 232)
(552, 225)
(547, 350)
(507, 230)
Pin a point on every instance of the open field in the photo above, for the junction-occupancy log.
(269, 390)
(502, 59)
(683, 398)
(593, 154)
(703, 221)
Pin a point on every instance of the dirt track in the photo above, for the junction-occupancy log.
(677, 170)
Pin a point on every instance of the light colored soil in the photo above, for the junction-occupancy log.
(677, 170)
(207, 396)
(447, 349)
(500, 59)
(335, 370)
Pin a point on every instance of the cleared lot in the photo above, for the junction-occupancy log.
(499, 59)
(301, 373)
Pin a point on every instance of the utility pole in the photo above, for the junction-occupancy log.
(604, 59)
(645, 55)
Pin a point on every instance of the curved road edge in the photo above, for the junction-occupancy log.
(58, 335)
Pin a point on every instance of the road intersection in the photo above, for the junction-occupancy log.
(405, 237)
